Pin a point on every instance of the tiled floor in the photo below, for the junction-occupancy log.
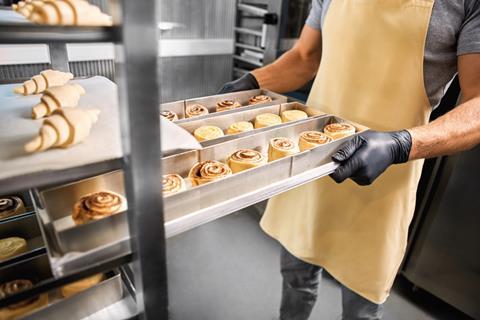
(229, 270)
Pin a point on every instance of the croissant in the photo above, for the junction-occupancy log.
(65, 128)
(43, 81)
(57, 97)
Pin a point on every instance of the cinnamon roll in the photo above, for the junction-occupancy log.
(172, 183)
(96, 206)
(13, 246)
(81, 285)
(208, 171)
(21, 308)
(311, 139)
(11, 206)
(207, 133)
(170, 115)
(239, 127)
(339, 130)
(195, 110)
(259, 99)
(245, 159)
(281, 147)
(266, 120)
(227, 105)
(293, 115)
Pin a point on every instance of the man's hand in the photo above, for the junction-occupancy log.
(246, 82)
(367, 155)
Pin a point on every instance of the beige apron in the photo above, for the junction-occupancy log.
(371, 72)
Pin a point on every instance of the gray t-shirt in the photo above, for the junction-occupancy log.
(454, 30)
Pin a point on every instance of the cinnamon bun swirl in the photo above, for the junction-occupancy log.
(98, 205)
(259, 99)
(339, 130)
(19, 309)
(195, 110)
(239, 127)
(11, 206)
(208, 133)
(311, 139)
(172, 183)
(170, 115)
(227, 105)
(208, 171)
(245, 159)
(266, 120)
(281, 147)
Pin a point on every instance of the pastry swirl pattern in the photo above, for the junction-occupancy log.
(195, 110)
(311, 139)
(170, 115)
(244, 159)
(281, 147)
(172, 183)
(15, 286)
(259, 99)
(207, 171)
(96, 206)
(339, 130)
(10, 206)
(227, 105)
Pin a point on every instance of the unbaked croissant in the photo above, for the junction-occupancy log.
(43, 81)
(57, 97)
(64, 128)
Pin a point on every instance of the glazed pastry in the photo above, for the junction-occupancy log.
(259, 99)
(54, 98)
(21, 308)
(281, 147)
(311, 139)
(293, 115)
(267, 120)
(207, 133)
(208, 171)
(13, 246)
(227, 105)
(245, 159)
(172, 183)
(63, 12)
(46, 79)
(64, 128)
(98, 205)
(170, 115)
(195, 110)
(339, 130)
(81, 285)
(11, 206)
(239, 127)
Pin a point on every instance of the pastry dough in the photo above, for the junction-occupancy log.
(11, 206)
(14, 311)
(281, 147)
(98, 205)
(245, 159)
(207, 133)
(208, 171)
(259, 99)
(13, 246)
(195, 110)
(65, 128)
(339, 130)
(54, 98)
(311, 139)
(239, 127)
(46, 79)
(170, 115)
(227, 105)
(293, 115)
(63, 12)
(172, 183)
(81, 285)
(266, 120)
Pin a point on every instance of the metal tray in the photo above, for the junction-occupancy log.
(210, 103)
(36, 269)
(223, 121)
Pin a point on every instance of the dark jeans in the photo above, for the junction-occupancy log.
(300, 284)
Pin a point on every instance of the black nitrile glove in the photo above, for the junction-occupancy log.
(246, 82)
(370, 153)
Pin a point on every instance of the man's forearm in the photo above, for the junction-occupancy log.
(458, 130)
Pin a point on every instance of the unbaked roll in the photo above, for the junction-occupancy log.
(339, 130)
(172, 183)
(281, 147)
(259, 99)
(195, 110)
(311, 139)
(208, 171)
(227, 105)
(293, 115)
(239, 127)
(11, 206)
(98, 205)
(266, 120)
(245, 159)
(15, 311)
(11, 247)
(170, 115)
(81, 285)
(208, 133)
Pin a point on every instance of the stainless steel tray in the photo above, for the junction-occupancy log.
(36, 269)
(223, 121)
(210, 103)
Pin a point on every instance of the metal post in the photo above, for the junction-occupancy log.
(59, 56)
(143, 171)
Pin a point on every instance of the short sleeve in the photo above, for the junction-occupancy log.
(314, 19)
(469, 37)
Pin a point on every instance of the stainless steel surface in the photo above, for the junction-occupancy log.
(250, 61)
(252, 9)
(123, 309)
(59, 56)
(35, 269)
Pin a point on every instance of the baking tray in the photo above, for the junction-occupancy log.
(223, 121)
(36, 269)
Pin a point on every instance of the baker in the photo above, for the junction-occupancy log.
(383, 64)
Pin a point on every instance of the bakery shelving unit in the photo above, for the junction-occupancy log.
(139, 162)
